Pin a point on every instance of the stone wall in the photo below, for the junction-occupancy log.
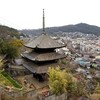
(54, 97)
(19, 95)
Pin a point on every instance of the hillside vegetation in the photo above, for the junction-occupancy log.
(6, 31)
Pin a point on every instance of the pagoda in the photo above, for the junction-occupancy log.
(43, 54)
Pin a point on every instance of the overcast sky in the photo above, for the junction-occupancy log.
(27, 14)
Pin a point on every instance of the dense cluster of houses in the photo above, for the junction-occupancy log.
(84, 50)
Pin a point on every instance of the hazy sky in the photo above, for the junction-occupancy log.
(27, 14)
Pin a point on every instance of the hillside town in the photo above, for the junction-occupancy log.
(82, 59)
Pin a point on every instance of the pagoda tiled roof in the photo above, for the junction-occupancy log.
(44, 41)
(41, 68)
(34, 56)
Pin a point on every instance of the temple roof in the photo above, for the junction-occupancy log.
(44, 42)
(33, 56)
(40, 69)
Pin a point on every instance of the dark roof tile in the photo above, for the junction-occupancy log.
(33, 56)
(44, 41)
(40, 69)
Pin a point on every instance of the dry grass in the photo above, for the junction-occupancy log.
(95, 96)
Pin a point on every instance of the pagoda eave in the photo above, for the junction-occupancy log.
(33, 56)
(57, 47)
(40, 69)
(44, 42)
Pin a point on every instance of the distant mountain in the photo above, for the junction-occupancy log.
(81, 27)
(7, 31)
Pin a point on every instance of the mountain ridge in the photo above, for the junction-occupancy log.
(80, 27)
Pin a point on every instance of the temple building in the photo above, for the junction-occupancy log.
(42, 55)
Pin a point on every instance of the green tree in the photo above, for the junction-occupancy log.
(97, 89)
(3, 46)
(10, 48)
(11, 52)
(80, 89)
(70, 82)
(57, 80)
(14, 47)
(16, 42)
(1, 63)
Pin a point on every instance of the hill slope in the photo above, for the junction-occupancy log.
(81, 27)
(5, 31)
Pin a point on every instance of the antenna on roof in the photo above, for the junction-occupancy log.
(43, 22)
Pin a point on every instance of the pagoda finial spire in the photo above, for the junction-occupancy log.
(43, 22)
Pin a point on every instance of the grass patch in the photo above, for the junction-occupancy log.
(15, 84)
(4, 81)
